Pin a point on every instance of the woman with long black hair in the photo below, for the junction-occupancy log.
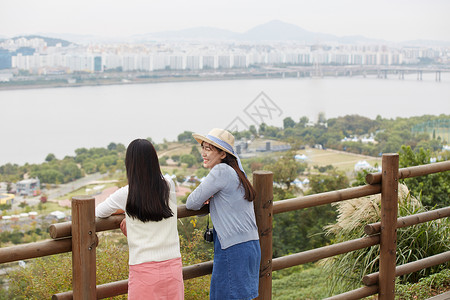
(150, 207)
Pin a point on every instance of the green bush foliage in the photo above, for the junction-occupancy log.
(193, 251)
(427, 287)
(433, 189)
(43, 277)
(413, 243)
(300, 282)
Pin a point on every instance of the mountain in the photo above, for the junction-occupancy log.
(74, 38)
(281, 31)
(196, 33)
(50, 41)
(426, 43)
(272, 31)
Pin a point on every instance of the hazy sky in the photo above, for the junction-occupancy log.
(393, 20)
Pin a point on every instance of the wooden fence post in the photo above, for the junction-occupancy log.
(388, 239)
(83, 248)
(263, 204)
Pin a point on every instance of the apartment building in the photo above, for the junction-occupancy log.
(33, 55)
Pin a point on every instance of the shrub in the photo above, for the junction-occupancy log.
(413, 243)
(426, 287)
(300, 282)
(194, 252)
(45, 276)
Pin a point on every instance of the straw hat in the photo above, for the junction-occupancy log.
(220, 138)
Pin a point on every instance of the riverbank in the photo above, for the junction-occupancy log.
(122, 79)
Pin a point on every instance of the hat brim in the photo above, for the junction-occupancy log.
(201, 138)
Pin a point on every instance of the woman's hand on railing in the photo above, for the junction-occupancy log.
(123, 226)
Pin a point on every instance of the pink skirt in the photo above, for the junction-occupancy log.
(156, 280)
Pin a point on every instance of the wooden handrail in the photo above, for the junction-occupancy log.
(360, 293)
(324, 252)
(374, 178)
(117, 288)
(325, 198)
(375, 228)
(411, 267)
(61, 230)
(34, 250)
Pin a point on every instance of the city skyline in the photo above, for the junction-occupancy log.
(395, 21)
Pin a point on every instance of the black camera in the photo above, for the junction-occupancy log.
(208, 235)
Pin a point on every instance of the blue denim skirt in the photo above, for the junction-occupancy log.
(235, 272)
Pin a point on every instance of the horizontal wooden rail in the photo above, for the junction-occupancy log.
(117, 288)
(415, 171)
(106, 290)
(375, 228)
(61, 230)
(360, 293)
(323, 252)
(324, 198)
(411, 267)
(33, 250)
(197, 270)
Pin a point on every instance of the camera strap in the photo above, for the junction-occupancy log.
(208, 235)
(207, 223)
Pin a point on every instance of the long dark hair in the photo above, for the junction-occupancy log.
(230, 160)
(148, 191)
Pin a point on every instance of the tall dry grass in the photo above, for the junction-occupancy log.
(413, 243)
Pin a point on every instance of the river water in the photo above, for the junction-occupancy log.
(36, 122)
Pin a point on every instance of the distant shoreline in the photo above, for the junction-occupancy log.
(40, 85)
(122, 78)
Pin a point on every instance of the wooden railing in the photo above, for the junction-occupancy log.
(79, 236)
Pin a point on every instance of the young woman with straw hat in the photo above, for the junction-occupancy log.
(228, 192)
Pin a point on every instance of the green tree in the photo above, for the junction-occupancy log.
(332, 181)
(112, 146)
(196, 153)
(288, 123)
(201, 172)
(303, 121)
(432, 189)
(186, 137)
(188, 159)
(50, 157)
(286, 169)
(70, 171)
(49, 175)
(120, 148)
(163, 161)
(303, 229)
(253, 130)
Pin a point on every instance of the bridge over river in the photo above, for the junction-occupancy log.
(351, 70)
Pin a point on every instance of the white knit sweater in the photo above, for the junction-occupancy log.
(149, 241)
